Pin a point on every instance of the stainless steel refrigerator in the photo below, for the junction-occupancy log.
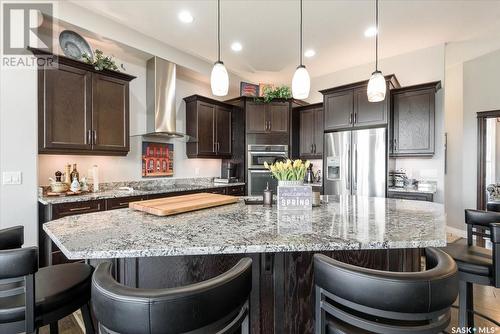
(355, 162)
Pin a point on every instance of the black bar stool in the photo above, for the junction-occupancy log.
(31, 297)
(217, 305)
(476, 265)
(351, 299)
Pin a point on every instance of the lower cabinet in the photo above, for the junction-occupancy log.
(50, 254)
(411, 196)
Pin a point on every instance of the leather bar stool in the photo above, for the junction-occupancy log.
(351, 299)
(31, 297)
(476, 265)
(217, 305)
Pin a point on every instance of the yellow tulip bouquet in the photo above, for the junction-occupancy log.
(289, 170)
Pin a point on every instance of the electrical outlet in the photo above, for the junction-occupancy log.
(11, 178)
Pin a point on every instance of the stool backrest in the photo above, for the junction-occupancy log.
(17, 268)
(207, 307)
(488, 221)
(401, 296)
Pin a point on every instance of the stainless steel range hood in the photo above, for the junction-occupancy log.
(160, 99)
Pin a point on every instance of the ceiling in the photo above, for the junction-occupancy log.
(268, 30)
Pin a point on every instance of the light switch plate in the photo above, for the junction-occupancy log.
(11, 178)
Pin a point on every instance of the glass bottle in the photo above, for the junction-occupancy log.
(75, 173)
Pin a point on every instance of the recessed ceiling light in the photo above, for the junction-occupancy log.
(236, 47)
(371, 31)
(310, 53)
(185, 17)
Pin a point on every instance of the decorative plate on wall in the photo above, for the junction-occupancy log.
(73, 45)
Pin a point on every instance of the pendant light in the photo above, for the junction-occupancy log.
(377, 85)
(301, 83)
(219, 79)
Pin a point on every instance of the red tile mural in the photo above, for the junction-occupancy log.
(157, 159)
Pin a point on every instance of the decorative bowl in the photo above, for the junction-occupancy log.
(59, 187)
(73, 45)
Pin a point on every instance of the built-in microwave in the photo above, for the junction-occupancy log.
(258, 154)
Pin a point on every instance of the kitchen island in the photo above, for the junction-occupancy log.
(152, 252)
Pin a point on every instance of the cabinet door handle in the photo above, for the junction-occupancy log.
(355, 116)
(218, 146)
(350, 118)
(314, 148)
(95, 137)
(80, 209)
(89, 137)
(395, 144)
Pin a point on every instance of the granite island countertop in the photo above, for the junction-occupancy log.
(340, 223)
(139, 189)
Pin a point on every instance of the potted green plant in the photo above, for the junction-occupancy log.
(293, 194)
(281, 92)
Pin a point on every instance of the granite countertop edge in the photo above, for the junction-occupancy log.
(110, 194)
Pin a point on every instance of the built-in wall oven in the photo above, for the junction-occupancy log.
(258, 175)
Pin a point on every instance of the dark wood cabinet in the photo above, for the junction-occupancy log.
(278, 116)
(339, 107)
(311, 131)
(267, 117)
(348, 106)
(65, 108)
(81, 110)
(256, 117)
(223, 130)
(120, 203)
(208, 122)
(110, 113)
(368, 113)
(77, 208)
(413, 118)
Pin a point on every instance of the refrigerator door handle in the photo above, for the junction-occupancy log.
(355, 163)
(348, 183)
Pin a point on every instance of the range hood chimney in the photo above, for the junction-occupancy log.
(160, 99)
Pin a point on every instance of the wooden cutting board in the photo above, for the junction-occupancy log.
(180, 204)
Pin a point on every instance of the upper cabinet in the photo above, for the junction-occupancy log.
(208, 122)
(267, 117)
(348, 106)
(413, 113)
(81, 110)
(311, 131)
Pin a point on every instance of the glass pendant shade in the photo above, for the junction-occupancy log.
(301, 83)
(376, 87)
(219, 80)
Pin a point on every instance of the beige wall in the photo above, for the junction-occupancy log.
(472, 72)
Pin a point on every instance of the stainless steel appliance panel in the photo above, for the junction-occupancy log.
(369, 162)
(337, 163)
(257, 182)
(258, 154)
